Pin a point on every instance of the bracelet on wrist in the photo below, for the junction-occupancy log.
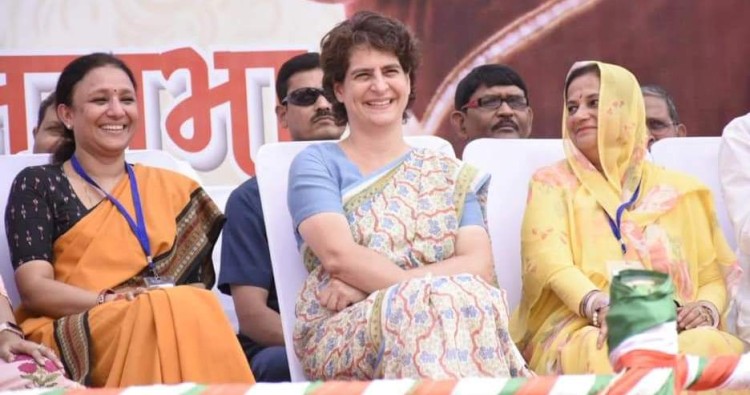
(102, 297)
(712, 313)
(12, 328)
(585, 306)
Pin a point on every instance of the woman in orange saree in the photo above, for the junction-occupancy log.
(81, 260)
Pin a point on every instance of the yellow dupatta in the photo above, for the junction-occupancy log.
(566, 237)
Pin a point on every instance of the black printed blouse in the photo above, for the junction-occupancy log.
(41, 207)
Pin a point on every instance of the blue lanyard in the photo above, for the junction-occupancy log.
(615, 224)
(139, 227)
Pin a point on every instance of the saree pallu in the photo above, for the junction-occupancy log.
(431, 327)
(167, 335)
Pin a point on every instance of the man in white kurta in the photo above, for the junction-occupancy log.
(734, 170)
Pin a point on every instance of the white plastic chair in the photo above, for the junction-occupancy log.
(511, 164)
(699, 157)
(272, 167)
(220, 195)
(11, 165)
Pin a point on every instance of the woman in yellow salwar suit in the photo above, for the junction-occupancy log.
(605, 208)
(82, 232)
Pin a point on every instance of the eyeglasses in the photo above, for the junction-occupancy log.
(656, 125)
(305, 97)
(494, 102)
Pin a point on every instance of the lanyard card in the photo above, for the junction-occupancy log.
(616, 266)
(159, 282)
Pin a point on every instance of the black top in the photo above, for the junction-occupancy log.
(42, 206)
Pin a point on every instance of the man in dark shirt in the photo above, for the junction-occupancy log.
(491, 102)
(245, 260)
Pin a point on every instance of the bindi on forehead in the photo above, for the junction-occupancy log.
(111, 90)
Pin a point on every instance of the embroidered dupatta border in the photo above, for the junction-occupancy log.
(198, 228)
(72, 336)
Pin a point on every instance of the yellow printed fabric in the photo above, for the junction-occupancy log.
(568, 247)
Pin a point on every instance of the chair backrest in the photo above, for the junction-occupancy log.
(511, 164)
(11, 165)
(220, 195)
(272, 169)
(699, 157)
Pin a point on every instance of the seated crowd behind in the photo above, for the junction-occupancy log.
(392, 255)
(245, 272)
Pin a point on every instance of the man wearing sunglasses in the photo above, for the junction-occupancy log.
(662, 120)
(491, 101)
(245, 260)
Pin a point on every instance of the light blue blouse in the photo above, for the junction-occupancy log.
(321, 174)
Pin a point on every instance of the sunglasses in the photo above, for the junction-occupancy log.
(305, 97)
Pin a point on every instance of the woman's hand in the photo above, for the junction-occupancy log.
(693, 315)
(12, 345)
(602, 320)
(339, 295)
(125, 293)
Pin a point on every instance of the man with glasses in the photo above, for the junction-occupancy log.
(245, 260)
(661, 114)
(491, 101)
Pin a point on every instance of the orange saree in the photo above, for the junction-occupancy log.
(167, 335)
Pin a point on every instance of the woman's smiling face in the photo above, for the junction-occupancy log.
(104, 111)
(375, 90)
(582, 106)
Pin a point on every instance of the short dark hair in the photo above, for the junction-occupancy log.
(43, 106)
(591, 68)
(660, 92)
(370, 29)
(488, 75)
(71, 75)
(296, 64)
